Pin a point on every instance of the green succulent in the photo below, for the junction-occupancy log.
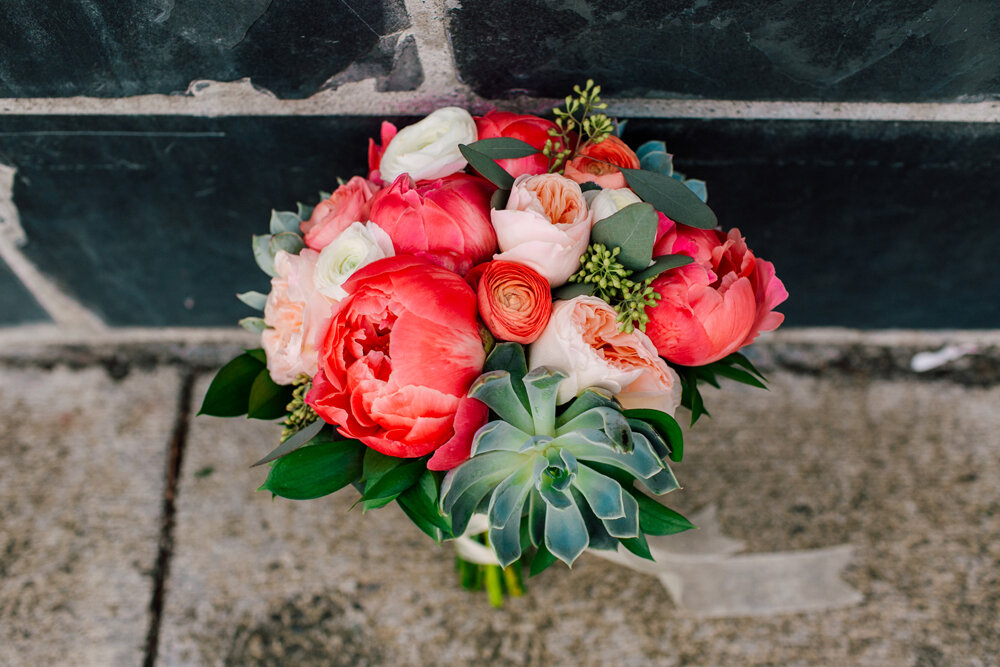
(553, 478)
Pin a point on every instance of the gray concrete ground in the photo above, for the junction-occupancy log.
(902, 468)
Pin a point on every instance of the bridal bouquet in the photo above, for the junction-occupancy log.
(495, 328)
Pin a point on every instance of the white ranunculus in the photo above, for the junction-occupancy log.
(582, 340)
(360, 244)
(605, 203)
(428, 149)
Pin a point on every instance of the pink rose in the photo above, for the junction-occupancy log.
(717, 305)
(387, 133)
(545, 226)
(444, 221)
(397, 360)
(296, 314)
(582, 339)
(348, 203)
(529, 129)
(598, 163)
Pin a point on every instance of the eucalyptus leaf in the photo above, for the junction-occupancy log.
(255, 300)
(262, 253)
(300, 438)
(268, 400)
(285, 221)
(229, 393)
(569, 291)
(253, 324)
(499, 199)
(589, 185)
(503, 148)
(671, 197)
(290, 242)
(633, 229)
(304, 212)
(661, 264)
(315, 471)
(487, 167)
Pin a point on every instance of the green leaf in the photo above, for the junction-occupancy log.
(665, 425)
(655, 519)
(255, 300)
(285, 221)
(420, 504)
(499, 199)
(589, 185)
(503, 148)
(737, 375)
(268, 400)
(633, 229)
(569, 291)
(290, 242)
(258, 354)
(738, 359)
(661, 264)
(229, 393)
(316, 470)
(300, 438)
(489, 169)
(384, 480)
(304, 212)
(542, 559)
(671, 198)
(253, 324)
(638, 546)
(262, 254)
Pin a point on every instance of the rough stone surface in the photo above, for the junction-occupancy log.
(83, 459)
(903, 471)
(893, 51)
(290, 47)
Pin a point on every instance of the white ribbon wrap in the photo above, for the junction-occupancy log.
(704, 575)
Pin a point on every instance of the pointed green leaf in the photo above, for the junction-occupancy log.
(510, 357)
(626, 525)
(487, 167)
(304, 212)
(666, 426)
(387, 479)
(297, 440)
(285, 221)
(496, 390)
(255, 300)
(498, 435)
(671, 197)
(661, 264)
(229, 393)
(591, 397)
(504, 148)
(655, 519)
(268, 400)
(542, 386)
(737, 375)
(499, 199)
(739, 359)
(420, 504)
(509, 496)
(316, 470)
(254, 325)
(638, 546)
(599, 536)
(609, 420)
(633, 229)
(542, 559)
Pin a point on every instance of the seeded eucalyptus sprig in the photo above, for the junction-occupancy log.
(577, 117)
(610, 280)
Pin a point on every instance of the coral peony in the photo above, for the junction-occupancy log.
(529, 129)
(444, 221)
(397, 359)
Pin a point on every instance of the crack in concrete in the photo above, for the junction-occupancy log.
(175, 460)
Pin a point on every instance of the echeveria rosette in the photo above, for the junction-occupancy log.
(544, 468)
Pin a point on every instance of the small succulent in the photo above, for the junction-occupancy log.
(549, 478)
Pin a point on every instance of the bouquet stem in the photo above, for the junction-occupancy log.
(494, 579)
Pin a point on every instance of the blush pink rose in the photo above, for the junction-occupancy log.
(599, 163)
(445, 221)
(582, 339)
(718, 304)
(529, 129)
(397, 360)
(545, 226)
(297, 314)
(348, 204)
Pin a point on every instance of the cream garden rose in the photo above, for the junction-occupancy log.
(428, 149)
(546, 225)
(582, 339)
(605, 203)
(359, 245)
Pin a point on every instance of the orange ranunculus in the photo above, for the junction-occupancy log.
(514, 300)
(598, 163)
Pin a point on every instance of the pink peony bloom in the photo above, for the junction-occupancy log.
(583, 340)
(397, 360)
(296, 314)
(349, 203)
(545, 226)
(444, 221)
(387, 133)
(529, 129)
(717, 305)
